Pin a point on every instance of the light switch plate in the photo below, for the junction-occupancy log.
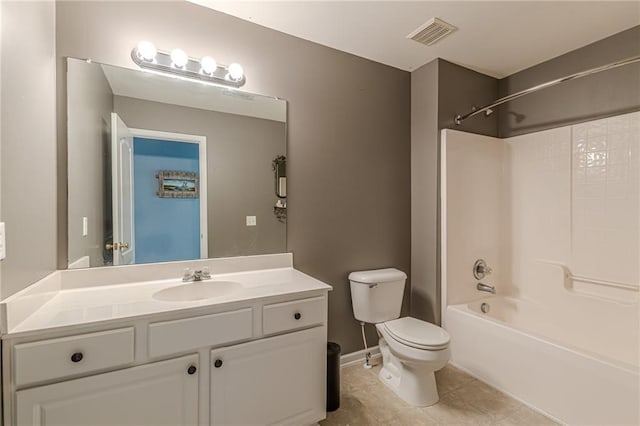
(85, 226)
(3, 245)
(251, 221)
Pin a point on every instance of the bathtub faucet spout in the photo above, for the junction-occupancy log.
(488, 288)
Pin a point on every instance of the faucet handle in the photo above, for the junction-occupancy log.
(481, 269)
(186, 274)
(205, 272)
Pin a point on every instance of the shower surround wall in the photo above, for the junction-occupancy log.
(557, 215)
(575, 202)
(475, 214)
(542, 206)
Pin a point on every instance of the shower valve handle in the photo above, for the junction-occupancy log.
(486, 270)
(481, 269)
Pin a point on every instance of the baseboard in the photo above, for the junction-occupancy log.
(354, 358)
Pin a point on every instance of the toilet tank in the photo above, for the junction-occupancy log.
(376, 295)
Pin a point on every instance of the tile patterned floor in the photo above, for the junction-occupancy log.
(463, 401)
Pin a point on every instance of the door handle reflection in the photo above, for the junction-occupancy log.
(116, 246)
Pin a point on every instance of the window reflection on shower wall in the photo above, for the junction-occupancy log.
(605, 199)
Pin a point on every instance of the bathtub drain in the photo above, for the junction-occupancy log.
(485, 308)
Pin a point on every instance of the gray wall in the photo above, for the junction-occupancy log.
(439, 91)
(459, 89)
(28, 168)
(424, 191)
(240, 181)
(609, 93)
(91, 100)
(348, 129)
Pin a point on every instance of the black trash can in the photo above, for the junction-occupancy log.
(333, 376)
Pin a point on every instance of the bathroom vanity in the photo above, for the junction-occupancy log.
(93, 347)
(134, 344)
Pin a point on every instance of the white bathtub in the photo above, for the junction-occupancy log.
(575, 369)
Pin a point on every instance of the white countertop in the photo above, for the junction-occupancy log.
(97, 304)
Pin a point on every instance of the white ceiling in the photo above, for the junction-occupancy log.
(176, 91)
(497, 38)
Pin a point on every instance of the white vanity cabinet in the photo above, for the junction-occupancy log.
(72, 356)
(278, 380)
(257, 362)
(160, 393)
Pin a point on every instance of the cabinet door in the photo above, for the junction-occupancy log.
(280, 380)
(162, 393)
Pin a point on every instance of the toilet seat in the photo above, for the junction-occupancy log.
(417, 334)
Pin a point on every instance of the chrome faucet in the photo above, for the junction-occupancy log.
(197, 275)
(488, 288)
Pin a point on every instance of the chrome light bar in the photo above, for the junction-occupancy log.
(177, 62)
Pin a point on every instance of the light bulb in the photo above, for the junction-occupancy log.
(235, 71)
(208, 64)
(179, 58)
(146, 51)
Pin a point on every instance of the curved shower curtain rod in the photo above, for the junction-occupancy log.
(487, 109)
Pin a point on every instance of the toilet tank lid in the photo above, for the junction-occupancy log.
(377, 276)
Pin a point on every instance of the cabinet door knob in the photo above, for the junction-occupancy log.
(192, 370)
(218, 363)
(77, 357)
(297, 315)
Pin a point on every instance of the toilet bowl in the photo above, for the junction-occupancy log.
(410, 360)
(412, 350)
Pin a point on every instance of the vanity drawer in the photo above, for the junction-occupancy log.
(292, 315)
(73, 355)
(170, 337)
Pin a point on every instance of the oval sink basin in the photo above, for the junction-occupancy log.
(197, 291)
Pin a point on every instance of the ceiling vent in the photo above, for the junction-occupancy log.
(430, 32)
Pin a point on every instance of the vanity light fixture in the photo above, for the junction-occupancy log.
(236, 72)
(177, 62)
(146, 51)
(179, 58)
(209, 65)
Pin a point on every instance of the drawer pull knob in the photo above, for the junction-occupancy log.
(192, 370)
(77, 357)
(297, 315)
(218, 363)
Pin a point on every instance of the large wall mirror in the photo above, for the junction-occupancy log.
(164, 169)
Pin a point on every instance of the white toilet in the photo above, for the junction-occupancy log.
(412, 350)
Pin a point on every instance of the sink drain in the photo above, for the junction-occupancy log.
(485, 308)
